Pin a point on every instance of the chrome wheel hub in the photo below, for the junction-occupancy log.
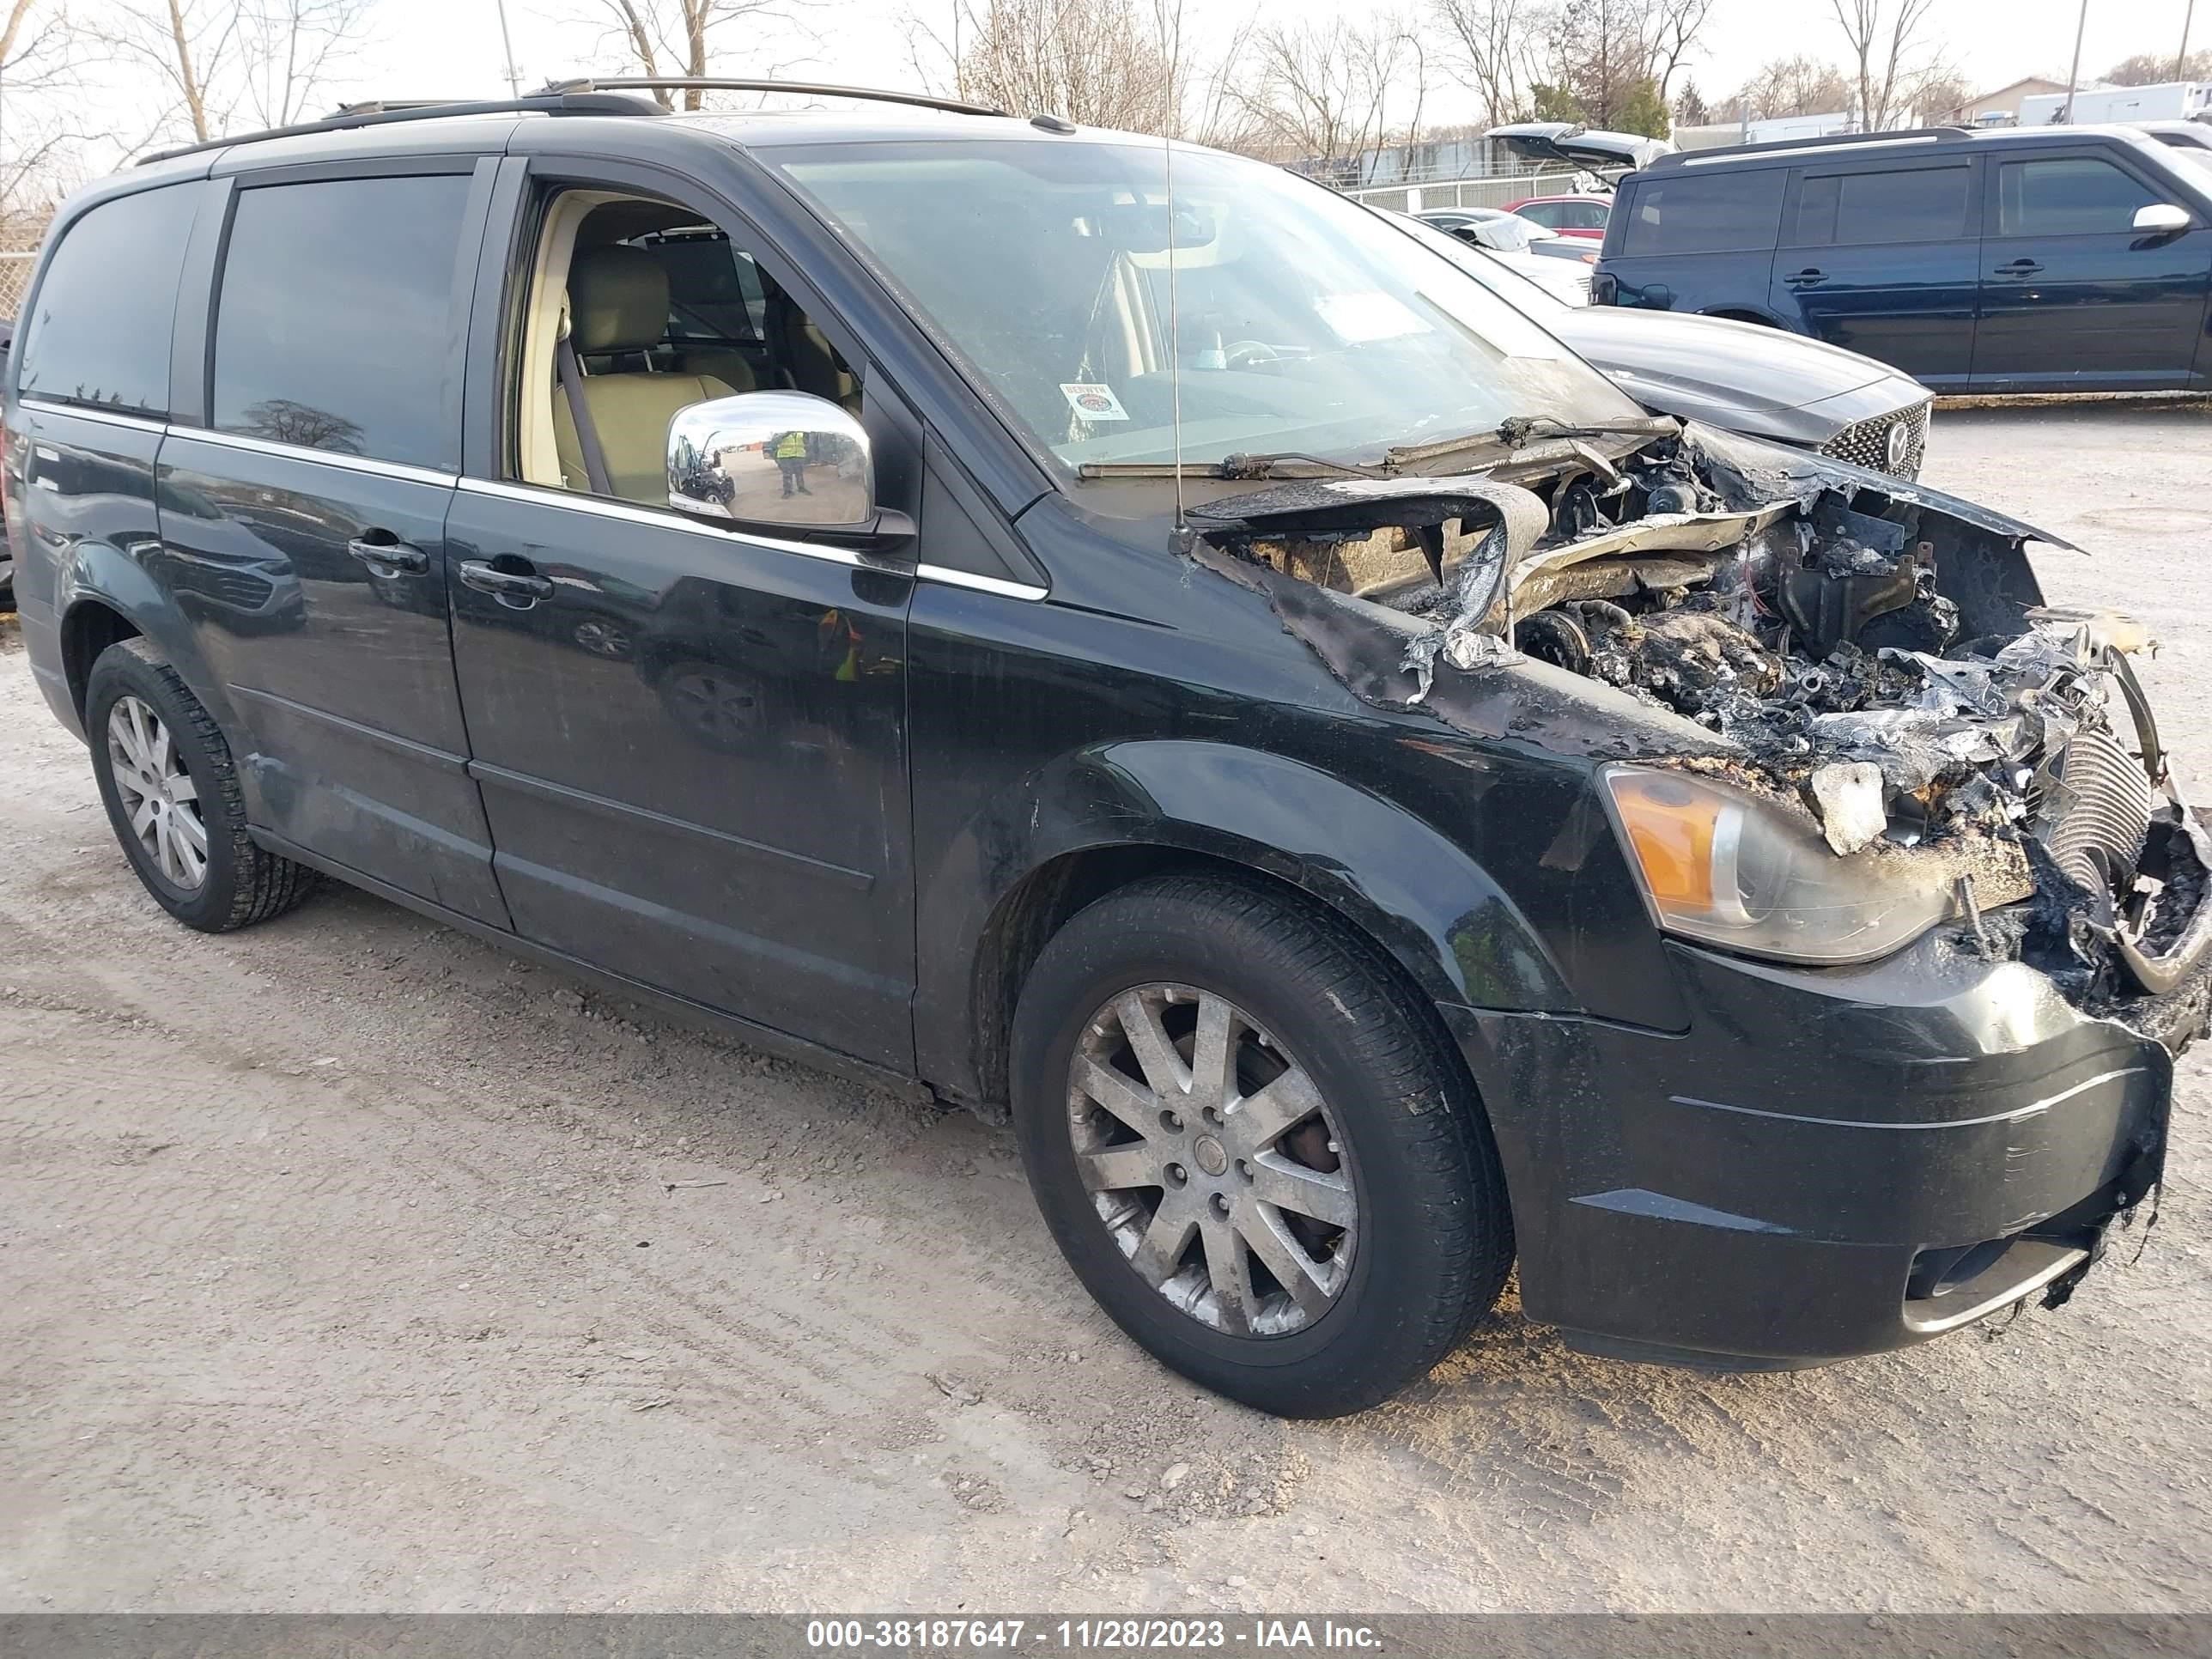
(158, 795)
(1212, 1160)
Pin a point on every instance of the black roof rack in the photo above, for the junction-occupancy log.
(803, 88)
(386, 112)
(1834, 140)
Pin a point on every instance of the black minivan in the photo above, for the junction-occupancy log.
(1124, 637)
(2013, 260)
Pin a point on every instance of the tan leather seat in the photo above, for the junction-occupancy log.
(618, 304)
(723, 363)
(807, 361)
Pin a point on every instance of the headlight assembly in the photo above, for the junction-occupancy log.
(1727, 867)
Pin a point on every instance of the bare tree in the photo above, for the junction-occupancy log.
(1106, 63)
(1612, 63)
(1788, 86)
(1672, 29)
(222, 61)
(2151, 69)
(1321, 92)
(682, 38)
(1490, 45)
(36, 59)
(1886, 39)
(1943, 94)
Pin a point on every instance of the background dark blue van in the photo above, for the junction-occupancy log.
(2038, 260)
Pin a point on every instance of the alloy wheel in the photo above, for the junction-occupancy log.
(158, 795)
(718, 707)
(1212, 1160)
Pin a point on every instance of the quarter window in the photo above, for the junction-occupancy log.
(335, 326)
(98, 334)
(1857, 210)
(2068, 195)
(1720, 213)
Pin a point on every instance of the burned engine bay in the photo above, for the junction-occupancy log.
(1874, 658)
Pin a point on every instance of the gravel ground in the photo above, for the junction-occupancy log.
(347, 1264)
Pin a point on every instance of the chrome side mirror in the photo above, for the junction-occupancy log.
(2162, 219)
(772, 458)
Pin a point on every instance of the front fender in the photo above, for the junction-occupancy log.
(1400, 881)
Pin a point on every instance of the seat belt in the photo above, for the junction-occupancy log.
(570, 373)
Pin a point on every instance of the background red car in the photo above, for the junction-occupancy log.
(1571, 216)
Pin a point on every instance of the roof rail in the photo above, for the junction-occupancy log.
(387, 112)
(803, 88)
(1832, 141)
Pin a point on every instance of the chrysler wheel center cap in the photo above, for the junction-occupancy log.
(1210, 1156)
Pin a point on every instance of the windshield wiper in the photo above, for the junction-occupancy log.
(1519, 431)
(1287, 465)
(1515, 433)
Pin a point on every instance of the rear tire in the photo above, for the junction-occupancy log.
(171, 789)
(1389, 1189)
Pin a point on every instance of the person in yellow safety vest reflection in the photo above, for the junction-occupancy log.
(837, 646)
(790, 458)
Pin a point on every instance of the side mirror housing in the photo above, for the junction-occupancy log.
(2162, 219)
(786, 459)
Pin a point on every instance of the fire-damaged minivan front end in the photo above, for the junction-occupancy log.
(1927, 909)
(1123, 638)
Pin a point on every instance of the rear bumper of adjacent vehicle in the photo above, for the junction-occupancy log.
(1830, 1162)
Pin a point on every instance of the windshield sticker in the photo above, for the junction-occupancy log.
(1356, 318)
(1093, 403)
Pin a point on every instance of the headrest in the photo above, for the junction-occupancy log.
(617, 300)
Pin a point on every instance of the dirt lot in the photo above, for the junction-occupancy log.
(346, 1263)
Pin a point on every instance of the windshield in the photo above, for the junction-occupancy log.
(1302, 322)
(1500, 278)
(2194, 156)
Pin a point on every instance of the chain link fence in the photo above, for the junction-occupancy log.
(15, 277)
(1494, 192)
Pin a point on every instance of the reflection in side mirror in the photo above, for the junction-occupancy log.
(2161, 218)
(787, 457)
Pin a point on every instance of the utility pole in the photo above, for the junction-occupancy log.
(2073, 75)
(506, 44)
(2181, 57)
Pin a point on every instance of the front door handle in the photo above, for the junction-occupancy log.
(1811, 276)
(510, 585)
(2020, 268)
(386, 554)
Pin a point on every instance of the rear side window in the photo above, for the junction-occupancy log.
(1716, 213)
(2067, 196)
(100, 332)
(1913, 204)
(335, 329)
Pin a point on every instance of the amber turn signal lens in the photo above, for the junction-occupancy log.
(1670, 827)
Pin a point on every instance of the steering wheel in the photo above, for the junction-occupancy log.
(1249, 353)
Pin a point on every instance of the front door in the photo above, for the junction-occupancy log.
(1885, 261)
(691, 740)
(2073, 296)
(303, 526)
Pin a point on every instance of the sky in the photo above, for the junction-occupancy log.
(450, 48)
(432, 48)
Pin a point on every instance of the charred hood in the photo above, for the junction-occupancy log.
(1876, 655)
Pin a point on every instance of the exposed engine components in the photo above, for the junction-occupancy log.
(1854, 652)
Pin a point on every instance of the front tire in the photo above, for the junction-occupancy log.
(171, 789)
(1252, 1147)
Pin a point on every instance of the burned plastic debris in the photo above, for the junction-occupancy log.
(1874, 653)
